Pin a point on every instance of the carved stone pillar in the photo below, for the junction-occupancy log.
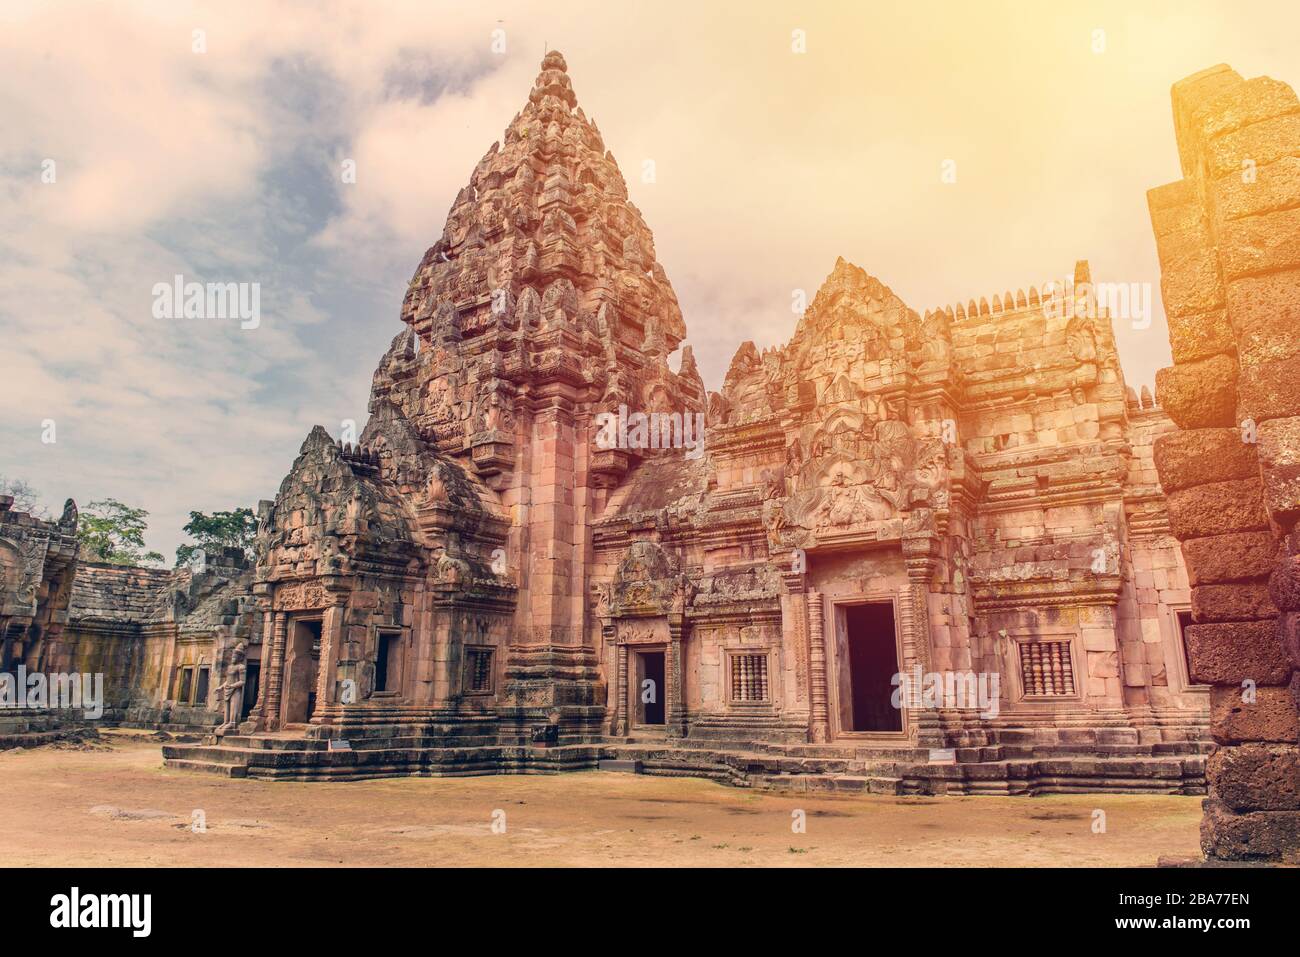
(621, 728)
(276, 678)
(920, 556)
(327, 670)
(676, 703)
(821, 729)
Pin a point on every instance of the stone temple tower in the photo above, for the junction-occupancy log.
(460, 521)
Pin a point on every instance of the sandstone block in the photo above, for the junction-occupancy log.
(1200, 456)
(1200, 335)
(1288, 627)
(1239, 556)
(1189, 273)
(1242, 104)
(1279, 459)
(1228, 653)
(1267, 389)
(1276, 186)
(1234, 602)
(1270, 717)
(1263, 143)
(1217, 508)
(1264, 243)
(1263, 312)
(1256, 777)
(1200, 394)
(1255, 835)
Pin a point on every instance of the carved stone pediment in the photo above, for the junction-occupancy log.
(646, 581)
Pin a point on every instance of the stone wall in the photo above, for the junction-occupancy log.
(1228, 236)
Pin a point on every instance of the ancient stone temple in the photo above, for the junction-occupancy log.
(1228, 235)
(160, 642)
(906, 551)
(37, 564)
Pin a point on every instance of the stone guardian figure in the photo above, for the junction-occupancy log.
(232, 689)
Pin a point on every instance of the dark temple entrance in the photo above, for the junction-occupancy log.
(868, 662)
(650, 687)
(252, 684)
(302, 658)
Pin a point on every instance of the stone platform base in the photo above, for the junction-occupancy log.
(31, 728)
(998, 769)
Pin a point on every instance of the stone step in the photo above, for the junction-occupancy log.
(207, 767)
(614, 764)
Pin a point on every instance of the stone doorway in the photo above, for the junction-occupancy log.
(650, 691)
(867, 659)
(302, 659)
(252, 685)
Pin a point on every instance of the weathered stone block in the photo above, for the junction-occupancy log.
(1267, 389)
(1256, 777)
(1275, 186)
(1228, 653)
(1263, 143)
(1189, 273)
(1239, 556)
(1217, 508)
(1270, 717)
(1288, 626)
(1234, 602)
(1200, 394)
(1187, 458)
(1200, 335)
(1242, 104)
(1279, 459)
(1264, 243)
(1255, 835)
(1263, 312)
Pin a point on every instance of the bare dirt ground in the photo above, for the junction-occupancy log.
(116, 805)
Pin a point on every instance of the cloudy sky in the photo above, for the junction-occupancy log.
(219, 156)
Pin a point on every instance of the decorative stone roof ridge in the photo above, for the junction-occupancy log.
(1147, 403)
(1006, 302)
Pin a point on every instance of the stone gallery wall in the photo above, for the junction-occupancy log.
(136, 628)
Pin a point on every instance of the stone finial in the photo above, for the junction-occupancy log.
(1147, 401)
(1082, 272)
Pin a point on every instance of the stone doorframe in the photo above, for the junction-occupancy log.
(641, 634)
(833, 664)
(326, 597)
(912, 617)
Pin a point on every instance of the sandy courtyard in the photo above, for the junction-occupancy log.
(117, 805)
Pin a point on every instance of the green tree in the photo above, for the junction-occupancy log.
(112, 532)
(211, 533)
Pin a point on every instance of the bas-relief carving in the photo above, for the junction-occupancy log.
(646, 578)
(860, 471)
(300, 596)
(649, 632)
